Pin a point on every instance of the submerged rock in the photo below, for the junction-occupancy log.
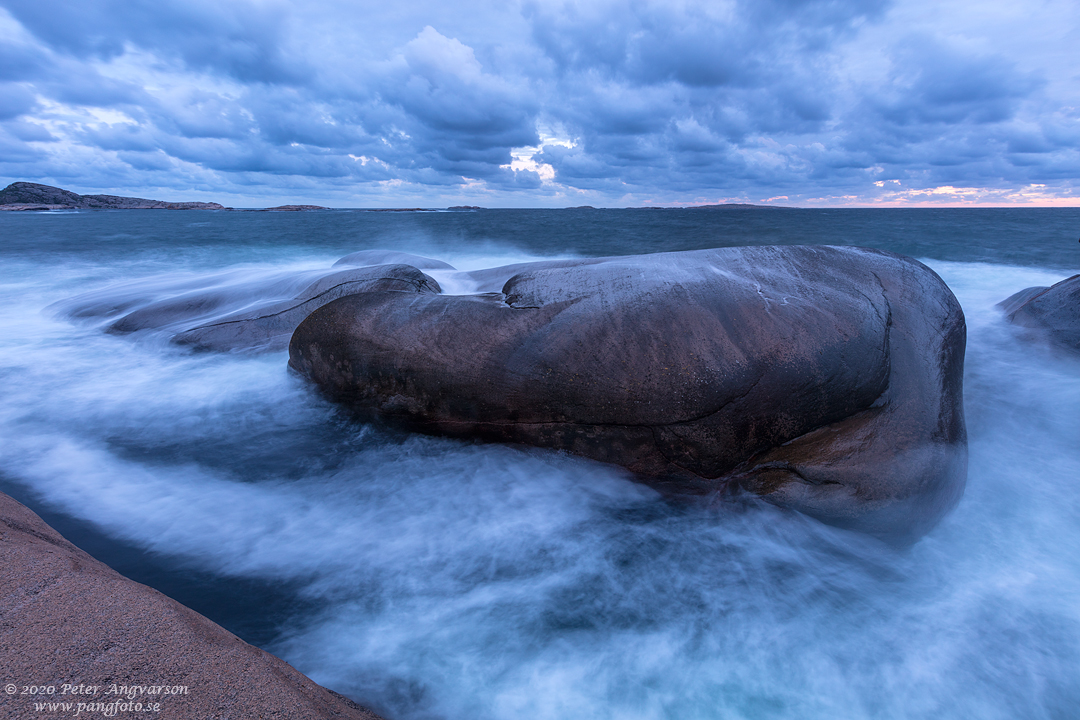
(270, 326)
(67, 619)
(235, 310)
(1051, 311)
(824, 379)
(392, 257)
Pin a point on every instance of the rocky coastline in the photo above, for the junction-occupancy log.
(75, 631)
(27, 196)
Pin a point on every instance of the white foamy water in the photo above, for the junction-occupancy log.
(452, 580)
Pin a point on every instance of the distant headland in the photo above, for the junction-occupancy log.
(32, 196)
(718, 206)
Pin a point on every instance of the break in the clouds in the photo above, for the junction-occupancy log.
(544, 102)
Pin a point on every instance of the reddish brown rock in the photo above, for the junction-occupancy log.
(67, 619)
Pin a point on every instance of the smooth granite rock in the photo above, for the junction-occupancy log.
(67, 619)
(269, 327)
(234, 310)
(824, 379)
(1053, 312)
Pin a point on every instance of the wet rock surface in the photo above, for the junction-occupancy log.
(67, 619)
(1052, 312)
(234, 310)
(824, 379)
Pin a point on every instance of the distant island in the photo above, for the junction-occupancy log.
(32, 196)
(291, 208)
(718, 206)
(738, 206)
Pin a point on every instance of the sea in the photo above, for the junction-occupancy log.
(430, 578)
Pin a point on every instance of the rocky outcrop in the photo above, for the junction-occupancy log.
(236, 311)
(270, 327)
(824, 379)
(294, 208)
(32, 196)
(24, 193)
(1050, 312)
(68, 620)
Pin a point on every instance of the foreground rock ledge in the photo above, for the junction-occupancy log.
(67, 618)
(824, 379)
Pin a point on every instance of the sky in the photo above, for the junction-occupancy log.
(545, 103)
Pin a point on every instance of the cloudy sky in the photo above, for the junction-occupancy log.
(536, 103)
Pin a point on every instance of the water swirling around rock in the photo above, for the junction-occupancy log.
(824, 379)
(431, 577)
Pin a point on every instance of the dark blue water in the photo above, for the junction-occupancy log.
(436, 579)
(1031, 237)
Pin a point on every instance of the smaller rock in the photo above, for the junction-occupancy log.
(245, 310)
(269, 327)
(1053, 312)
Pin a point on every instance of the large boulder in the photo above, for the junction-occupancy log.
(1053, 312)
(824, 379)
(68, 620)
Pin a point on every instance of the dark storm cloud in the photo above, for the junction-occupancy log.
(946, 113)
(446, 110)
(27, 131)
(621, 98)
(241, 39)
(22, 62)
(15, 100)
(936, 83)
(672, 88)
(703, 44)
